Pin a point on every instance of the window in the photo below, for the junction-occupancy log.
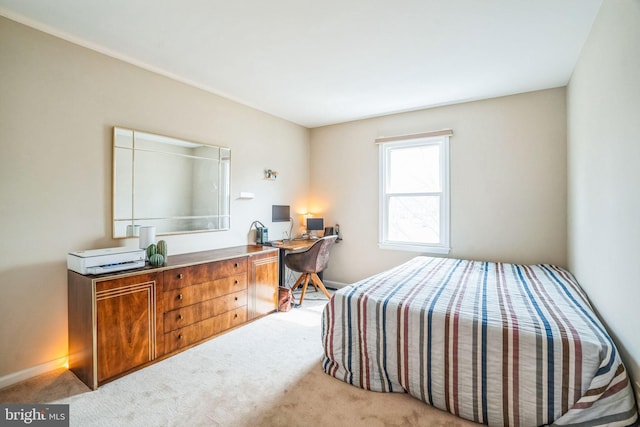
(414, 193)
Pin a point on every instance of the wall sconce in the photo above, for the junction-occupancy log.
(270, 174)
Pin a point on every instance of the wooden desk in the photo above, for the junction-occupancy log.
(290, 245)
(296, 244)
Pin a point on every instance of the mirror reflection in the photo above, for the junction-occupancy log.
(175, 185)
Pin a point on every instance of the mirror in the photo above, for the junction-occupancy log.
(175, 185)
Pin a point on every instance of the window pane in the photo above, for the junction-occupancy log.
(414, 169)
(414, 219)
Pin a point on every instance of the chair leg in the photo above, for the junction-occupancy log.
(307, 276)
(298, 282)
(315, 277)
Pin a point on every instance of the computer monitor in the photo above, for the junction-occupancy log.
(280, 213)
(314, 225)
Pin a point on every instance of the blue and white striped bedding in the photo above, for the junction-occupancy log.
(499, 344)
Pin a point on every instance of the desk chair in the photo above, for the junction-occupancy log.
(310, 262)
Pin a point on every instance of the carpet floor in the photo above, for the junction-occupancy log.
(266, 373)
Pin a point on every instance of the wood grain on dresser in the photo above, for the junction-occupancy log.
(188, 295)
(184, 316)
(206, 328)
(263, 289)
(192, 275)
(125, 321)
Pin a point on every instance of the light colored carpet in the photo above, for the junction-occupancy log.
(267, 373)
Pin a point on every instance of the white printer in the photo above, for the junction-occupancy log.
(99, 261)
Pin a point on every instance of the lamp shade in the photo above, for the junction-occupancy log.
(147, 236)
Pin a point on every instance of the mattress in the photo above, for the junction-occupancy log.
(495, 343)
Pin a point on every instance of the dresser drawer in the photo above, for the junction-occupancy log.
(115, 285)
(177, 278)
(198, 331)
(183, 297)
(188, 315)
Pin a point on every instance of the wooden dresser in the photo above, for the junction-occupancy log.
(124, 321)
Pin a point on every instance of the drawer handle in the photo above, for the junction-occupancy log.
(235, 282)
(180, 317)
(235, 316)
(179, 296)
(180, 336)
(180, 276)
(236, 298)
(235, 265)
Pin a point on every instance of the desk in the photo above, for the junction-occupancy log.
(291, 245)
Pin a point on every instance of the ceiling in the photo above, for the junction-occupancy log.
(324, 62)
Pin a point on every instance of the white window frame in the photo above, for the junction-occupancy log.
(384, 149)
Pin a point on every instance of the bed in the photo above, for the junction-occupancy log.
(495, 343)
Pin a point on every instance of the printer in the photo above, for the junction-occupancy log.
(99, 261)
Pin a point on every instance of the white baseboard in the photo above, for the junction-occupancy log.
(16, 377)
(334, 285)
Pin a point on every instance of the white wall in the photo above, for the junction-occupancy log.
(58, 104)
(508, 181)
(604, 173)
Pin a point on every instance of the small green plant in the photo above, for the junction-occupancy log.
(156, 260)
(161, 247)
(152, 249)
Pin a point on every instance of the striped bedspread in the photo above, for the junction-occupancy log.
(499, 344)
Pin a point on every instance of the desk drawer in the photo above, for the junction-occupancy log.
(190, 295)
(188, 315)
(177, 278)
(191, 334)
